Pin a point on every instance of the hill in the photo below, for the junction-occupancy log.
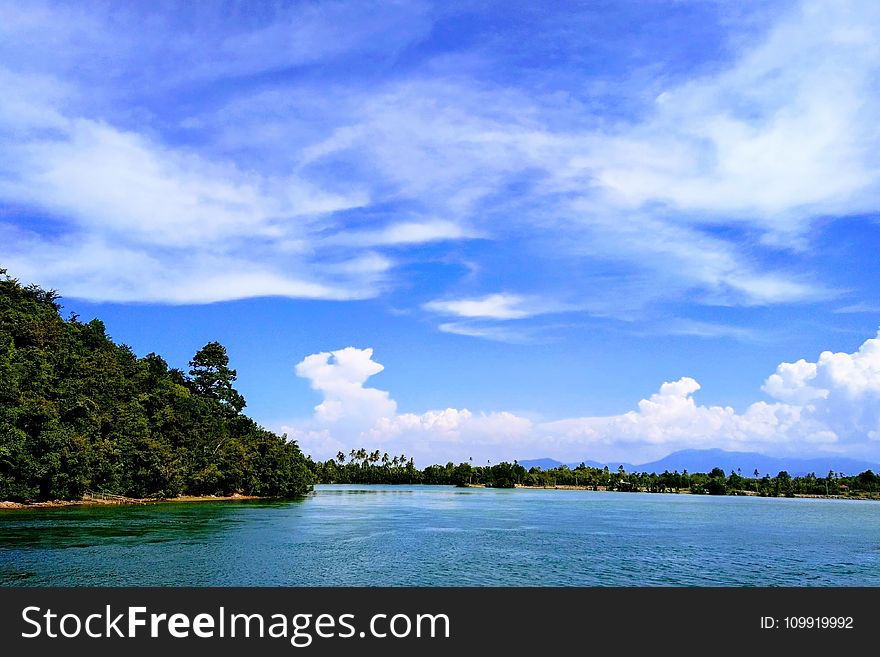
(80, 412)
(703, 460)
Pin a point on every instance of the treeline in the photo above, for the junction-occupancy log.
(79, 412)
(715, 482)
(364, 467)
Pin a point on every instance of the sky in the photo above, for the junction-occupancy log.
(453, 230)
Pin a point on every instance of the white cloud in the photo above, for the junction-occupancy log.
(121, 185)
(163, 49)
(776, 139)
(139, 216)
(354, 415)
(789, 383)
(100, 270)
(777, 136)
(830, 406)
(403, 233)
(340, 377)
(679, 259)
(855, 376)
(136, 220)
(705, 330)
(493, 306)
(771, 141)
(856, 308)
(494, 332)
(840, 390)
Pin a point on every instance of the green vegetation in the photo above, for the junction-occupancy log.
(364, 467)
(79, 412)
(716, 482)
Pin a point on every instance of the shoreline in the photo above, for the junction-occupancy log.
(686, 491)
(58, 504)
(6, 505)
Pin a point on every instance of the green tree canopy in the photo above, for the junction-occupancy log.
(210, 376)
(80, 412)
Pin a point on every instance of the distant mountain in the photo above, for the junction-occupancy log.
(703, 460)
(544, 464)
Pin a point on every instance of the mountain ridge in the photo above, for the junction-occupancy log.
(703, 460)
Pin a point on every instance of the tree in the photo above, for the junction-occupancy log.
(210, 376)
(717, 483)
(782, 484)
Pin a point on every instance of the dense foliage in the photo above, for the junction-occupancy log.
(79, 412)
(364, 467)
(715, 482)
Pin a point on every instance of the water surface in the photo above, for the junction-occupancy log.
(445, 536)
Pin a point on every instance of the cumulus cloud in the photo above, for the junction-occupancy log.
(352, 414)
(340, 376)
(828, 406)
(671, 419)
(831, 404)
(840, 390)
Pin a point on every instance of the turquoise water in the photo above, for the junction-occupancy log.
(444, 536)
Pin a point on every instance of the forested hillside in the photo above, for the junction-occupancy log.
(79, 412)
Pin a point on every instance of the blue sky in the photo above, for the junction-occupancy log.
(500, 230)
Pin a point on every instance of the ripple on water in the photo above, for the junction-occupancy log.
(439, 536)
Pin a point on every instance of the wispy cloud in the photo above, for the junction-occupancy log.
(492, 306)
(405, 233)
(309, 147)
(502, 333)
(130, 213)
(698, 329)
(858, 308)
